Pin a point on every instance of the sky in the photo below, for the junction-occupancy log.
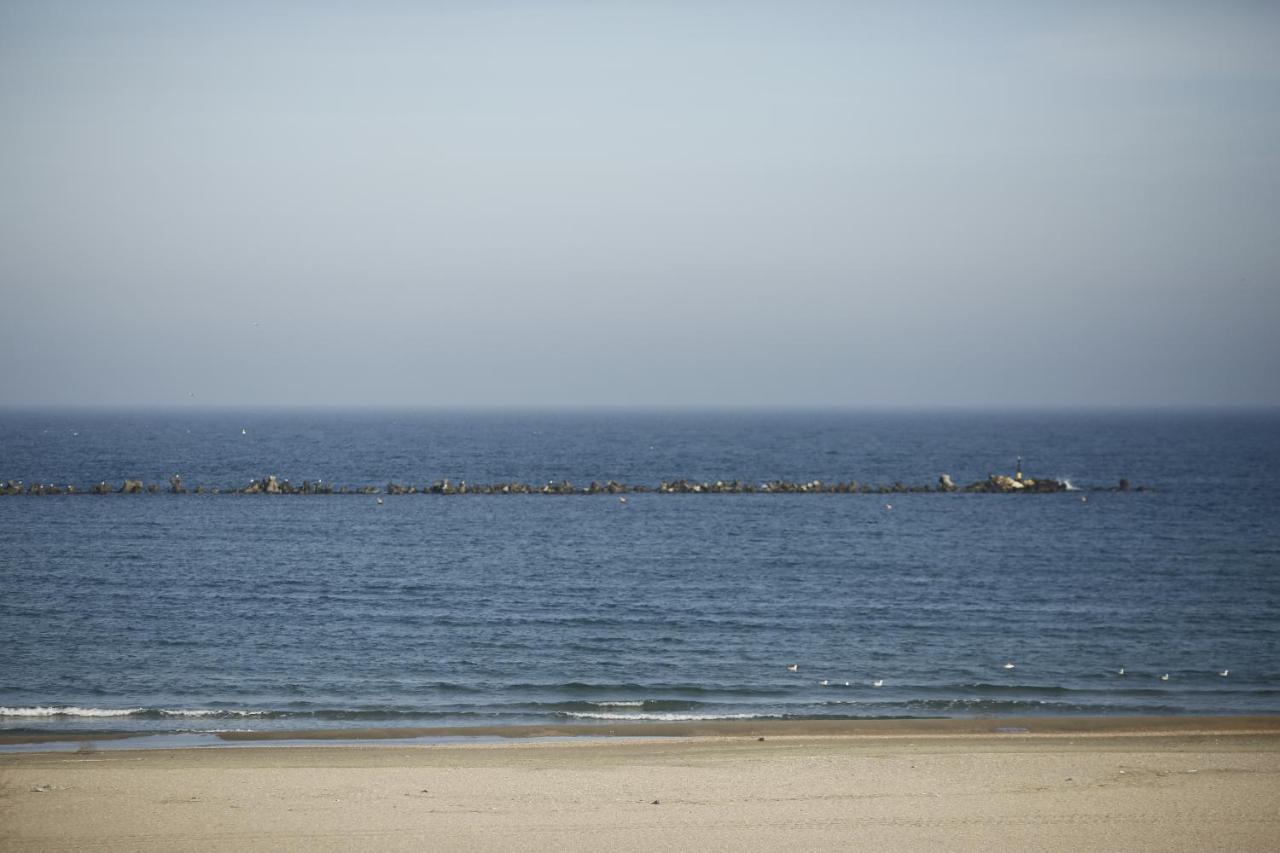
(640, 204)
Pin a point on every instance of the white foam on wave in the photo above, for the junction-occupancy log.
(199, 712)
(75, 711)
(664, 716)
(42, 711)
(628, 703)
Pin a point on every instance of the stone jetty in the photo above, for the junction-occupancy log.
(274, 485)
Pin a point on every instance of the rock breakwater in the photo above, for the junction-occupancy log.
(274, 485)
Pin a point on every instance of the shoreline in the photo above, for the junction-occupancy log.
(916, 727)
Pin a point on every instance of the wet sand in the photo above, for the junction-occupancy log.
(1063, 784)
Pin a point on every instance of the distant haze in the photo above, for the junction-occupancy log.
(580, 203)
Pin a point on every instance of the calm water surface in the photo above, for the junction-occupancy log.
(208, 612)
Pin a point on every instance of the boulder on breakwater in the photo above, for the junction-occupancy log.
(1003, 483)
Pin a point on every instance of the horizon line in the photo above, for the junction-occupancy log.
(550, 408)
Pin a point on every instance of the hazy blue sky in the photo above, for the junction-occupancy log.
(640, 203)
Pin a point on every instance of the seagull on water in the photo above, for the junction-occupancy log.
(1225, 673)
(1121, 671)
(379, 501)
(1009, 665)
(1164, 677)
(793, 667)
(879, 682)
(824, 683)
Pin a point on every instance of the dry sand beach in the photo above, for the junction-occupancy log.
(1115, 784)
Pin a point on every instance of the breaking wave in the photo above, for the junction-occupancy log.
(144, 713)
(664, 716)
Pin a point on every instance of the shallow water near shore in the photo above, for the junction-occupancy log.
(199, 613)
(82, 745)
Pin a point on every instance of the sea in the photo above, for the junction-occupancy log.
(200, 613)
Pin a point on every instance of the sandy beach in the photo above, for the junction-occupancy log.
(1066, 784)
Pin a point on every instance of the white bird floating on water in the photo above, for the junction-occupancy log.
(824, 683)
(1121, 672)
(1225, 673)
(879, 682)
(379, 501)
(244, 431)
(1164, 677)
(622, 500)
(793, 667)
(1009, 665)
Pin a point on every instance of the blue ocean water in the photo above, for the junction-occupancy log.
(210, 612)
